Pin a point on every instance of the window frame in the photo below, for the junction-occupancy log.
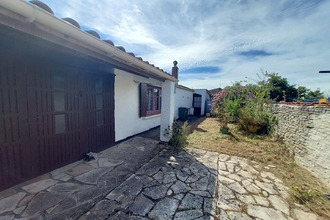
(144, 100)
(59, 89)
(99, 92)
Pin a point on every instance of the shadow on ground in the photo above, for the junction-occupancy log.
(141, 179)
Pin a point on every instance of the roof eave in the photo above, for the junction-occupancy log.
(35, 14)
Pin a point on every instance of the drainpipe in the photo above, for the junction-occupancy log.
(35, 14)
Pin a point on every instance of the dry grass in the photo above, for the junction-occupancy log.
(305, 188)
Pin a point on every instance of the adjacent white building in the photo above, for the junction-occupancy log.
(183, 98)
(205, 96)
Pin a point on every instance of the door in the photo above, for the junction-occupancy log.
(56, 117)
(197, 104)
(99, 108)
(14, 132)
(52, 112)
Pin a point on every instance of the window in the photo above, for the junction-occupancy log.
(99, 102)
(150, 100)
(58, 84)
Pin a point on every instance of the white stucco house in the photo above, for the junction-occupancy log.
(196, 100)
(183, 99)
(202, 96)
(66, 92)
(140, 104)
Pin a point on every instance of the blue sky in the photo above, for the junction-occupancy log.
(216, 42)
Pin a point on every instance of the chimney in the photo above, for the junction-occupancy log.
(175, 70)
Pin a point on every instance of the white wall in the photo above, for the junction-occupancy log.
(205, 96)
(168, 103)
(183, 98)
(127, 120)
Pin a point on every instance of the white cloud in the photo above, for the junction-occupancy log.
(213, 33)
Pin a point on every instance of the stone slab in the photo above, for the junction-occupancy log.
(39, 186)
(265, 213)
(300, 214)
(68, 187)
(141, 206)
(92, 176)
(180, 187)
(10, 203)
(41, 202)
(191, 201)
(238, 216)
(165, 209)
(156, 192)
(279, 204)
(237, 188)
(79, 169)
(188, 214)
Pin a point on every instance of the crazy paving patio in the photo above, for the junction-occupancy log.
(142, 179)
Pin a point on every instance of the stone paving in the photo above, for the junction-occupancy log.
(70, 191)
(199, 185)
(140, 179)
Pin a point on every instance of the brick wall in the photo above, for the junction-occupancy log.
(306, 132)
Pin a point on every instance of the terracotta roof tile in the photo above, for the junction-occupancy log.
(109, 42)
(72, 21)
(94, 33)
(121, 48)
(43, 6)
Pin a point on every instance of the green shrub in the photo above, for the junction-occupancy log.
(247, 105)
(179, 135)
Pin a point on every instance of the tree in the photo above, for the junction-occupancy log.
(280, 87)
(313, 95)
(302, 92)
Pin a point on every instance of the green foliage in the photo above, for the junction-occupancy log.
(179, 135)
(302, 92)
(303, 194)
(312, 95)
(225, 130)
(247, 105)
(255, 115)
(280, 87)
(227, 103)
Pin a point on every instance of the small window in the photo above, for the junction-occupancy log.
(156, 99)
(197, 101)
(60, 124)
(58, 81)
(98, 85)
(99, 101)
(59, 101)
(99, 118)
(150, 100)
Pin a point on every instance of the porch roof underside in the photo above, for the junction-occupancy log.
(18, 24)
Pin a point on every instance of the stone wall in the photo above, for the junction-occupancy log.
(306, 131)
